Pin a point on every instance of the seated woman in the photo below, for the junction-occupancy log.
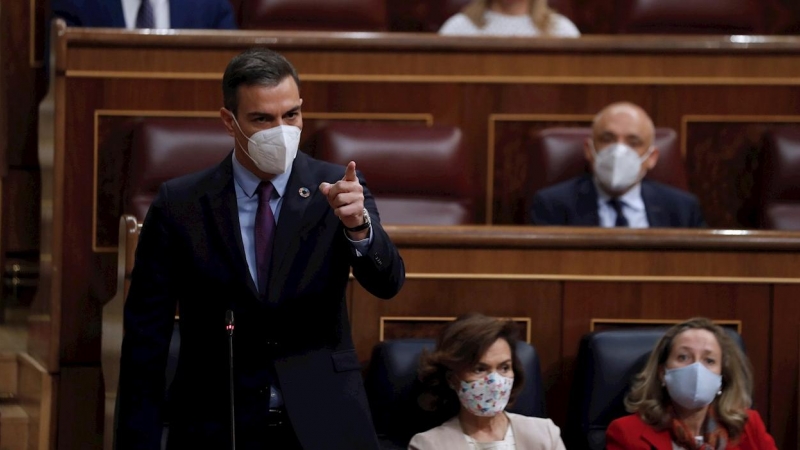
(694, 393)
(509, 18)
(474, 373)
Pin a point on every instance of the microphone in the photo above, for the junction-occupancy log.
(229, 326)
(229, 322)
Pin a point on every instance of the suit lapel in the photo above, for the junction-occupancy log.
(656, 215)
(293, 222)
(115, 13)
(587, 203)
(220, 199)
(177, 13)
(659, 440)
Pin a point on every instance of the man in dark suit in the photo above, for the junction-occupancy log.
(620, 152)
(205, 248)
(178, 14)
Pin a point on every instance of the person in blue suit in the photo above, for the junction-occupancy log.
(272, 235)
(616, 194)
(178, 14)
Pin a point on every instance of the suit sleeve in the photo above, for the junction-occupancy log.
(148, 324)
(697, 220)
(66, 10)
(381, 270)
(620, 438)
(542, 211)
(225, 19)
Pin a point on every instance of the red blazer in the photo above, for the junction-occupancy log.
(630, 432)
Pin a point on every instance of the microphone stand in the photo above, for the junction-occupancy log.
(229, 326)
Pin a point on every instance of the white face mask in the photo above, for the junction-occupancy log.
(486, 396)
(693, 386)
(272, 150)
(617, 166)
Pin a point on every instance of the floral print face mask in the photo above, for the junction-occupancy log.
(486, 396)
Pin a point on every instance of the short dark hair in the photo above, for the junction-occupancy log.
(255, 66)
(459, 347)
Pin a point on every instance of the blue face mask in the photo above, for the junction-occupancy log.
(693, 386)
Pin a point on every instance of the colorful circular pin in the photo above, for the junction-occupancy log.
(304, 192)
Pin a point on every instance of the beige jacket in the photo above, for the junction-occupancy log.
(530, 433)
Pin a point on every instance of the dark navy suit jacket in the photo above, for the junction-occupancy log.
(190, 253)
(183, 14)
(574, 202)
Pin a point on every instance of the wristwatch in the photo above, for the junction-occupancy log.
(363, 226)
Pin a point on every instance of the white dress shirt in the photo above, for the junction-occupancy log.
(498, 24)
(632, 207)
(160, 13)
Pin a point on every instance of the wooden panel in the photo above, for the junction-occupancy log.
(784, 381)
(538, 301)
(80, 403)
(505, 271)
(23, 79)
(425, 327)
(21, 203)
(37, 394)
(724, 157)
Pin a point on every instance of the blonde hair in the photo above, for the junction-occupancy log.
(650, 400)
(541, 14)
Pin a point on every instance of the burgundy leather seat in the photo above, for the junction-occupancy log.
(418, 174)
(779, 204)
(558, 156)
(339, 15)
(167, 148)
(691, 17)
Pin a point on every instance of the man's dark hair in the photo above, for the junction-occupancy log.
(256, 66)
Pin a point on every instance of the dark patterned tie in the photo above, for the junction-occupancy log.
(617, 205)
(145, 17)
(264, 231)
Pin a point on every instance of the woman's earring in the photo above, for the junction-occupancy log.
(719, 392)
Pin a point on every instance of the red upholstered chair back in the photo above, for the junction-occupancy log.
(691, 17)
(339, 15)
(780, 179)
(167, 148)
(558, 156)
(418, 174)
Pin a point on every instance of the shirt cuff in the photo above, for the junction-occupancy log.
(360, 247)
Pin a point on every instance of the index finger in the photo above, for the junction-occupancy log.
(350, 172)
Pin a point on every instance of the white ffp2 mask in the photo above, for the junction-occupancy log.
(272, 150)
(617, 166)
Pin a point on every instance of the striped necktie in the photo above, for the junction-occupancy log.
(145, 18)
(264, 230)
(617, 205)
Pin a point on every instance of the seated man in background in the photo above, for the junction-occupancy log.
(130, 14)
(620, 152)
